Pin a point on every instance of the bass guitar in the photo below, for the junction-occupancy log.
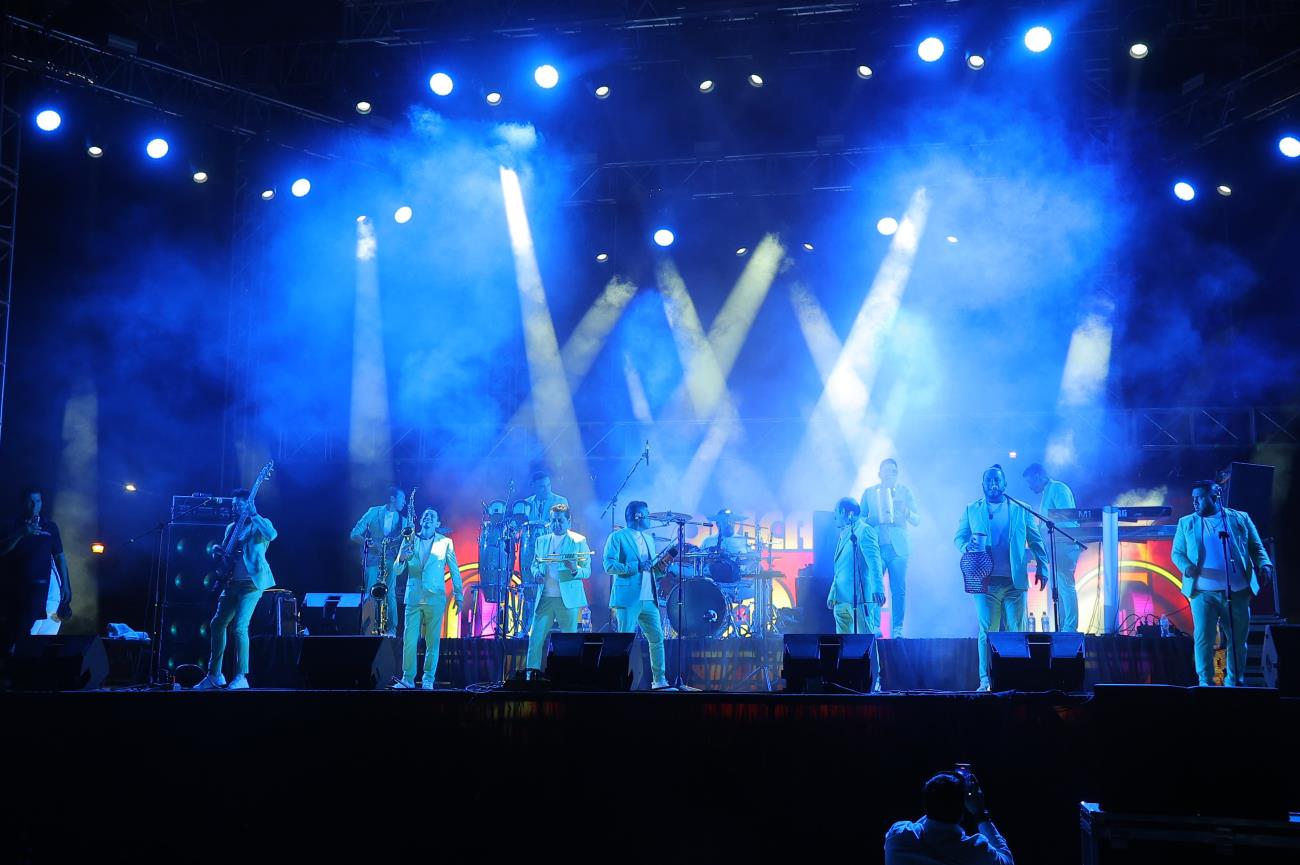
(227, 555)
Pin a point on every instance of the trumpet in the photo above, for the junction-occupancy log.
(556, 559)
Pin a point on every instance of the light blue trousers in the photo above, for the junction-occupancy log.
(645, 614)
(1001, 608)
(422, 620)
(550, 611)
(1210, 617)
(234, 612)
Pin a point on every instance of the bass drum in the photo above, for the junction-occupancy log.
(696, 608)
(494, 566)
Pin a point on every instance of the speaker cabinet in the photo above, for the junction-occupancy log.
(71, 663)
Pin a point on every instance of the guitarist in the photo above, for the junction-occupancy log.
(633, 595)
(250, 578)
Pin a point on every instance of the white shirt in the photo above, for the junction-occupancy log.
(933, 842)
(551, 580)
(999, 542)
(390, 516)
(646, 547)
(1214, 571)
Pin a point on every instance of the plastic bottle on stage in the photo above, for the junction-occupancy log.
(584, 623)
(1164, 627)
(1031, 622)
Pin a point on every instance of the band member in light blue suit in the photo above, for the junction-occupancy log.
(382, 526)
(890, 508)
(1208, 578)
(1055, 495)
(251, 577)
(858, 590)
(1006, 530)
(426, 560)
(538, 511)
(562, 596)
(629, 560)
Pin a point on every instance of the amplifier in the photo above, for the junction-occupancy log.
(276, 614)
(201, 508)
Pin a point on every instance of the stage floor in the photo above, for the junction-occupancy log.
(690, 777)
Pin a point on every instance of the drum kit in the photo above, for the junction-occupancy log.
(722, 588)
(505, 538)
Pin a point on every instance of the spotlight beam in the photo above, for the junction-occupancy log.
(552, 398)
(369, 436)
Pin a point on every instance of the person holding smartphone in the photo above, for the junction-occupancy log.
(956, 828)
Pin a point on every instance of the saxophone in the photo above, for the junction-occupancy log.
(380, 590)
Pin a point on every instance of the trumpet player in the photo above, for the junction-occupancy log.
(425, 559)
(379, 530)
(562, 561)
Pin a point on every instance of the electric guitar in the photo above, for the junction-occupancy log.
(228, 553)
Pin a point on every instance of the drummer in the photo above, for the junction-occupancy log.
(726, 539)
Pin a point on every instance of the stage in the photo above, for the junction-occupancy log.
(692, 777)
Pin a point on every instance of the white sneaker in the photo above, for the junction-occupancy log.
(211, 683)
(660, 685)
(403, 685)
(239, 683)
(984, 687)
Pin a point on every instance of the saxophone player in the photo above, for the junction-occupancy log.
(425, 559)
(379, 530)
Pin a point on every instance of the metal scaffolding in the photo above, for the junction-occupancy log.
(10, 151)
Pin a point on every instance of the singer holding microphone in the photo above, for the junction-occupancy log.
(1006, 530)
(33, 565)
(1222, 561)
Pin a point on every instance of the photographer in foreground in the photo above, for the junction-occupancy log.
(956, 829)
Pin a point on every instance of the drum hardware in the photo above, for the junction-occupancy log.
(763, 614)
(697, 608)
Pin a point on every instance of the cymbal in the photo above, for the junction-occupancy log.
(670, 516)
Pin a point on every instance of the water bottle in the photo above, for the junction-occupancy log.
(1031, 622)
(1164, 626)
(584, 623)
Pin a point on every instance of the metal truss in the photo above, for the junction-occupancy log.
(10, 152)
(1143, 429)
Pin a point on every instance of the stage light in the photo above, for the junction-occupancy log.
(97, 548)
(1223, 189)
(364, 107)
(156, 148)
(1037, 39)
(48, 120)
(493, 98)
(1184, 191)
(362, 219)
(755, 80)
(300, 187)
(200, 177)
(741, 250)
(602, 92)
(403, 215)
(664, 237)
(706, 86)
(975, 61)
(1138, 50)
(546, 76)
(864, 72)
(441, 84)
(952, 238)
(1289, 146)
(808, 247)
(602, 257)
(1011, 454)
(887, 226)
(268, 194)
(930, 49)
(94, 151)
(130, 488)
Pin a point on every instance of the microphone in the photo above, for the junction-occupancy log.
(646, 453)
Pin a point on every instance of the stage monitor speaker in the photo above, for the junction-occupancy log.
(331, 614)
(1250, 489)
(590, 662)
(71, 663)
(1032, 661)
(827, 663)
(347, 663)
(1281, 659)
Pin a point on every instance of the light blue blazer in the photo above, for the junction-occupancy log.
(1022, 533)
(623, 562)
(1243, 541)
(571, 590)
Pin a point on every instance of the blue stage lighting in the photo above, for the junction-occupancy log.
(664, 237)
(930, 49)
(1289, 146)
(546, 76)
(1184, 191)
(48, 120)
(157, 148)
(441, 84)
(887, 226)
(1037, 39)
(403, 215)
(300, 187)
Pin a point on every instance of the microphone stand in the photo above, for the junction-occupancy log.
(1229, 567)
(1052, 531)
(612, 507)
(679, 683)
